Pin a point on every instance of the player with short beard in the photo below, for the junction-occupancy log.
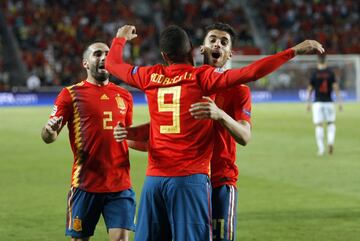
(231, 111)
(100, 182)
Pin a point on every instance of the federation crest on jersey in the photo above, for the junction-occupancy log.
(77, 226)
(54, 110)
(120, 103)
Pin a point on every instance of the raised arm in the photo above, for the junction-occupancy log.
(218, 80)
(114, 61)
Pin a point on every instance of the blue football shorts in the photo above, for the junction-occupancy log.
(224, 200)
(175, 208)
(84, 210)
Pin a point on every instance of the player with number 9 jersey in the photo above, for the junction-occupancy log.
(179, 144)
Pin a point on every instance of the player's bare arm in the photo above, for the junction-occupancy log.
(239, 130)
(137, 137)
(138, 145)
(308, 47)
(139, 133)
(51, 129)
(338, 96)
(309, 92)
(127, 31)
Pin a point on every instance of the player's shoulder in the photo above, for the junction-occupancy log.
(79, 84)
(241, 89)
(244, 87)
(119, 89)
(156, 67)
(203, 67)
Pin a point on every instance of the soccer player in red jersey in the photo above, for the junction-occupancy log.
(100, 182)
(175, 200)
(232, 112)
(323, 83)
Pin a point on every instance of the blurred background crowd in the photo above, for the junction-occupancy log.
(52, 34)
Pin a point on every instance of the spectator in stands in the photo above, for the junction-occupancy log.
(33, 83)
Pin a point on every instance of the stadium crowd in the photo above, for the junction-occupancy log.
(334, 23)
(52, 34)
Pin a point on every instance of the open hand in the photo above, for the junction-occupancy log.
(205, 110)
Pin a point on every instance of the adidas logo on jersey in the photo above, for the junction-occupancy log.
(104, 97)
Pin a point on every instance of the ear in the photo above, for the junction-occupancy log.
(165, 58)
(202, 49)
(230, 55)
(85, 64)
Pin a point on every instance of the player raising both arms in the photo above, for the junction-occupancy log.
(232, 112)
(100, 182)
(175, 200)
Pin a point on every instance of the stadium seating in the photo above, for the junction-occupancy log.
(53, 34)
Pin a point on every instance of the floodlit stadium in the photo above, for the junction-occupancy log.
(286, 191)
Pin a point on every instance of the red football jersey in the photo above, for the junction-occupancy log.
(236, 102)
(91, 112)
(179, 145)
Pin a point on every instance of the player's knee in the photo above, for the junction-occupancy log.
(119, 235)
(80, 239)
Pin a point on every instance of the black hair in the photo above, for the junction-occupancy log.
(222, 27)
(322, 58)
(175, 43)
(87, 50)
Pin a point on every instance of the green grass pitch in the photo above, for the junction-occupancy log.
(286, 192)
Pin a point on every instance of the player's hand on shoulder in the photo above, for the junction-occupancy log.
(205, 110)
(308, 47)
(127, 31)
(204, 49)
(120, 132)
(53, 124)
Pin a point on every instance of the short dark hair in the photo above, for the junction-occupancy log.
(87, 51)
(175, 43)
(322, 58)
(222, 27)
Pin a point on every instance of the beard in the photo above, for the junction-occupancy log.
(100, 76)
